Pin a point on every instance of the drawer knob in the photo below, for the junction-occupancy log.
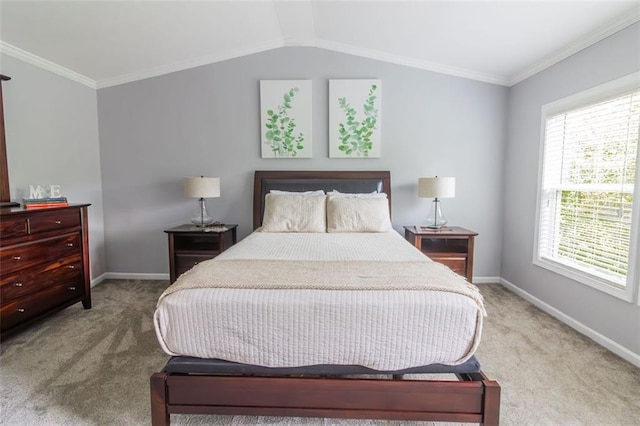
(69, 244)
(58, 222)
(21, 310)
(72, 288)
(17, 257)
(17, 284)
(71, 266)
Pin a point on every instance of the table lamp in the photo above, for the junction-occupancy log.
(436, 188)
(201, 188)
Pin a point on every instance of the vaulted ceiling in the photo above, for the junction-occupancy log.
(104, 43)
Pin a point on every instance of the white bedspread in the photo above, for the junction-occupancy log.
(283, 327)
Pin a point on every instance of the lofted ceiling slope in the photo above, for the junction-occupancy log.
(105, 43)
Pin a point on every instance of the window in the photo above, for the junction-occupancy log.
(587, 226)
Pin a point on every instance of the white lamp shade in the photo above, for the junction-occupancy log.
(201, 187)
(437, 187)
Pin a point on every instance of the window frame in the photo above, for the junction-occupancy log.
(609, 90)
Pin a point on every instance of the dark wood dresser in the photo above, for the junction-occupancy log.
(44, 263)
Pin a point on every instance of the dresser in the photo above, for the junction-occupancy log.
(44, 263)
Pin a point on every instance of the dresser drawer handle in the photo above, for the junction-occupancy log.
(72, 288)
(58, 222)
(21, 310)
(71, 266)
(17, 284)
(17, 257)
(69, 244)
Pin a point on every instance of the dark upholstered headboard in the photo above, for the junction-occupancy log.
(299, 181)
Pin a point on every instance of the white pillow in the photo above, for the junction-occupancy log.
(308, 193)
(357, 214)
(360, 195)
(294, 213)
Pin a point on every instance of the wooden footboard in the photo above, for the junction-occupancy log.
(473, 398)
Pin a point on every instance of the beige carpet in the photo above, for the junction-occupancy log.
(92, 368)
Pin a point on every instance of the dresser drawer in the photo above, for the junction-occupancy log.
(11, 228)
(54, 220)
(27, 307)
(35, 279)
(29, 255)
(184, 262)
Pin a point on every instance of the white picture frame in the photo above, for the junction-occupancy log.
(285, 119)
(355, 118)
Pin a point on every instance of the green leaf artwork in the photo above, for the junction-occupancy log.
(280, 128)
(355, 118)
(355, 133)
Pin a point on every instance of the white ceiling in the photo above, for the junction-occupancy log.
(104, 43)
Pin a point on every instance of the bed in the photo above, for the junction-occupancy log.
(273, 359)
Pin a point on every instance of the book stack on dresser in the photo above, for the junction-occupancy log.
(44, 263)
(44, 203)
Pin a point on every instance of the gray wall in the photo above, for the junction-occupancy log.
(205, 121)
(52, 138)
(607, 60)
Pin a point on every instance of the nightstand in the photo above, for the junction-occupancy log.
(190, 245)
(450, 245)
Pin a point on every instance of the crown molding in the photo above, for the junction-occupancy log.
(596, 36)
(410, 62)
(45, 64)
(299, 42)
(590, 39)
(192, 63)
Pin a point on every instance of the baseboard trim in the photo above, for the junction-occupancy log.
(134, 276)
(486, 280)
(602, 340)
(98, 280)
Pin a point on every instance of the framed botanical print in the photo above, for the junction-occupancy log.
(355, 118)
(285, 118)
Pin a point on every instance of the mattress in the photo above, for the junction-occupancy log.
(380, 328)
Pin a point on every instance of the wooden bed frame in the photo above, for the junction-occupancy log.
(473, 398)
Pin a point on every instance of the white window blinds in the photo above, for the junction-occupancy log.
(590, 157)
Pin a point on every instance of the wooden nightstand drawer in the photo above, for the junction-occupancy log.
(189, 245)
(451, 246)
(457, 264)
(184, 262)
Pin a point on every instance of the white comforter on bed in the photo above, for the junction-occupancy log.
(380, 329)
